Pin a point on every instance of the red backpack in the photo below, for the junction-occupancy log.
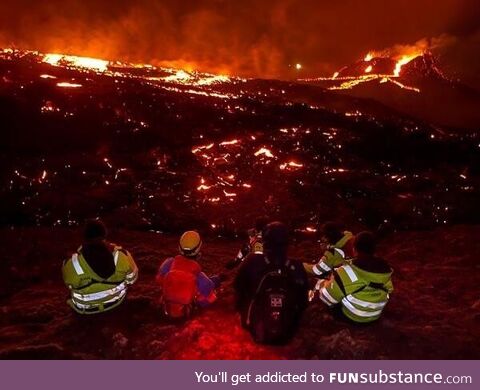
(180, 287)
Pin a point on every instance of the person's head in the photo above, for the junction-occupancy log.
(260, 224)
(332, 232)
(190, 244)
(275, 240)
(365, 244)
(94, 230)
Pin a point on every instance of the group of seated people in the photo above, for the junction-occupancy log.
(271, 290)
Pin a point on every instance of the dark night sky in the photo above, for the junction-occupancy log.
(248, 37)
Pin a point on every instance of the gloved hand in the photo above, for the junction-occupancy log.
(314, 294)
(319, 284)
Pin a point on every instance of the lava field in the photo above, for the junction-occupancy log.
(163, 149)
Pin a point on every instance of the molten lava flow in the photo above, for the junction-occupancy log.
(170, 79)
(232, 142)
(291, 165)
(68, 85)
(179, 77)
(264, 151)
(402, 61)
(203, 186)
(213, 79)
(76, 62)
(369, 71)
(202, 147)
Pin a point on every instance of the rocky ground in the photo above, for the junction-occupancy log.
(433, 314)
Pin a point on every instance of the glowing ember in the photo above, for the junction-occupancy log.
(202, 147)
(264, 151)
(298, 66)
(232, 142)
(403, 86)
(68, 85)
(49, 107)
(368, 69)
(291, 165)
(203, 187)
(47, 76)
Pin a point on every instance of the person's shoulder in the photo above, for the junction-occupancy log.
(67, 264)
(113, 247)
(195, 265)
(186, 263)
(373, 264)
(253, 261)
(168, 260)
(253, 258)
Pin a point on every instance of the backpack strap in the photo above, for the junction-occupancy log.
(339, 281)
(250, 306)
(269, 272)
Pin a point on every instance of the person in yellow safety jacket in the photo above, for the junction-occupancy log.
(339, 249)
(360, 289)
(99, 273)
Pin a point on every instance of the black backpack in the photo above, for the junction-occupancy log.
(272, 313)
